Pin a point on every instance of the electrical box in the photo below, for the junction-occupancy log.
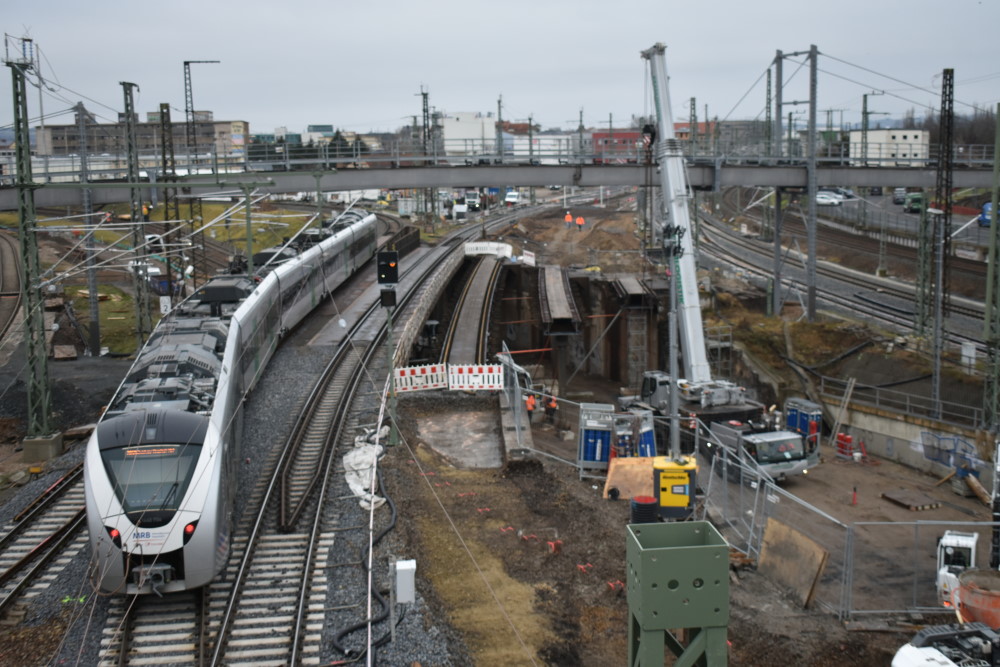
(387, 262)
(406, 581)
(675, 485)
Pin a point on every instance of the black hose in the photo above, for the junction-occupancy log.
(378, 596)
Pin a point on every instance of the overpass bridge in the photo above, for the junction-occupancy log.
(703, 174)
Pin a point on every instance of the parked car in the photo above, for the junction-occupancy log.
(899, 195)
(875, 191)
(828, 199)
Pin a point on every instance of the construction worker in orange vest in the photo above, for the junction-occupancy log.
(550, 410)
(529, 404)
(579, 222)
(568, 219)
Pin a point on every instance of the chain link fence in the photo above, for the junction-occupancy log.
(872, 568)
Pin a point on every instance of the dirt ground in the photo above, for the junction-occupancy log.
(529, 560)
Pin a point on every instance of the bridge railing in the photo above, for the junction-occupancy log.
(959, 414)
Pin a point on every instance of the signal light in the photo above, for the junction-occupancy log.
(189, 531)
(387, 266)
(116, 536)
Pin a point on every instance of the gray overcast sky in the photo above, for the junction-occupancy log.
(360, 65)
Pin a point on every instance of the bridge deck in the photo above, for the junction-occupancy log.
(465, 345)
(558, 309)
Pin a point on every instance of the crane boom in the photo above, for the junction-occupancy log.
(675, 226)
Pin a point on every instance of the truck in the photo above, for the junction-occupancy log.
(459, 209)
(951, 645)
(780, 454)
(472, 199)
(956, 553)
(711, 400)
(915, 202)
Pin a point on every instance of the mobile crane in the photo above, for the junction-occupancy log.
(701, 394)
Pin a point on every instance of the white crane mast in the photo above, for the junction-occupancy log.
(676, 230)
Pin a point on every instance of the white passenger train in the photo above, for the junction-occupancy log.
(161, 464)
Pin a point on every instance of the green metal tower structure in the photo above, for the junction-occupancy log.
(140, 265)
(39, 391)
(198, 249)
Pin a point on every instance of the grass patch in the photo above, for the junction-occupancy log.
(116, 316)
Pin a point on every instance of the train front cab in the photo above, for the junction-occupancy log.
(154, 515)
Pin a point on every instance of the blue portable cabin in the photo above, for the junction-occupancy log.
(804, 417)
(597, 425)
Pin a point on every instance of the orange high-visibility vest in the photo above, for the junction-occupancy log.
(579, 221)
(530, 400)
(569, 218)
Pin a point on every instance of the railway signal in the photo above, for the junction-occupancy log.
(387, 263)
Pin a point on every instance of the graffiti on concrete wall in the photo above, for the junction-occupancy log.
(951, 451)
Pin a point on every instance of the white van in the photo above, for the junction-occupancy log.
(512, 198)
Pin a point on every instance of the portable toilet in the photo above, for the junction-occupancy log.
(804, 417)
(597, 425)
(647, 432)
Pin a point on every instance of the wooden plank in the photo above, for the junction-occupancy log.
(792, 560)
(915, 501)
(631, 476)
(945, 478)
(978, 489)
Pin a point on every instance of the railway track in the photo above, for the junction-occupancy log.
(10, 281)
(969, 273)
(888, 303)
(40, 540)
(467, 336)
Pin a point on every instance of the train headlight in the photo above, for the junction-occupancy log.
(116, 536)
(189, 531)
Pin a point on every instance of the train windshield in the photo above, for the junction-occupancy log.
(778, 451)
(151, 477)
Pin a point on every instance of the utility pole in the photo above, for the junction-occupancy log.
(140, 265)
(500, 129)
(579, 130)
(811, 188)
(38, 388)
(942, 228)
(865, 114)
(171, 207)
(693, 127)
(430, 201)
(88, 212)
(991, 317)
(779, 60)
(194, 203)
(811, 137)
(531, 149)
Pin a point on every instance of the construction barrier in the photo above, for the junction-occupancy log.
(475, 376)
(417, 378)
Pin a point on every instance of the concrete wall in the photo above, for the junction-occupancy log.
(922, 444)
